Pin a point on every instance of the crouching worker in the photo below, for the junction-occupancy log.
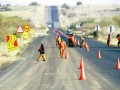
(62, 47)
(82, 42)
(42, 52)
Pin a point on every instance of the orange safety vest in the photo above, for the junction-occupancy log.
(62, 45)
(72, 38)
(119, 38)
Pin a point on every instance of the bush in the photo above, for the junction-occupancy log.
(116, 19)
(117, 9)
(2, 10)
(90, 20)
(79, 3)
(73, 26)
(65, 6)
(63, 12)
(34, 4)
(105, 22)
(8, 9)
(71, 14)
(9, 25)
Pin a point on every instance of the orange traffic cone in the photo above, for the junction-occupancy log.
(81, 63)
(75, 40)
(78, 43)
(85, 45)
(99, 55)
(117, 64)
(87, 48)
(82, 74)
(66, 55)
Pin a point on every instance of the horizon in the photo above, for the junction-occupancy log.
(61, 2)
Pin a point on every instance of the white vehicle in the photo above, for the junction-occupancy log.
(79, 33)
(69, 32)
(49, 25)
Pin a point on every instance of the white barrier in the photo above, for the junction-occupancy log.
(79, 33)
(40, 33)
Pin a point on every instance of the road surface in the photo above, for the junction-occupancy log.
(62, 74)
(56, 73)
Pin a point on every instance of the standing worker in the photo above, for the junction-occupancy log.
(73, 41)
(108, 40)
(62, 47)
(58, 40)
(118, 37)
(42, 52)
(70, 40)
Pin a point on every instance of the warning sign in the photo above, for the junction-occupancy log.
(27, 28)
(111, 28)
(97, 28)
(20, 30)
(31, 31)
(11, 41)
(25, 35)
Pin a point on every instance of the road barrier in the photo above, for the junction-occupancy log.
(40, 33)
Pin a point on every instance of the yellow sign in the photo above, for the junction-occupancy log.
(11, 41)
(25, 35)
(31, 31)
(27, 28)
(74, 32)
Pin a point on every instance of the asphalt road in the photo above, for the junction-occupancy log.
(27, 73)
(62, 74)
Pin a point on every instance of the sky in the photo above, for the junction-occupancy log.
(60, 2)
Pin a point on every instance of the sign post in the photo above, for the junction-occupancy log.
(111, 29)
(20, 30)
(97, 28)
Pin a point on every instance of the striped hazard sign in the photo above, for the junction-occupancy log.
(11, 41)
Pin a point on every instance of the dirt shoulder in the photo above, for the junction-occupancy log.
(8, 58)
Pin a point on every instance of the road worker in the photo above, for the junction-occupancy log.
(118, 37)
(71, 40)
(42, 52)
(58, 40)
(108, 40)
(62, 48)
(82, 42)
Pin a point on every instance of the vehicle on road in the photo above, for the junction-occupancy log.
(69, 32)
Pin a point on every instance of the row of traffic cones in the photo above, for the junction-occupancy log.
(117, 62)
(82, 71)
